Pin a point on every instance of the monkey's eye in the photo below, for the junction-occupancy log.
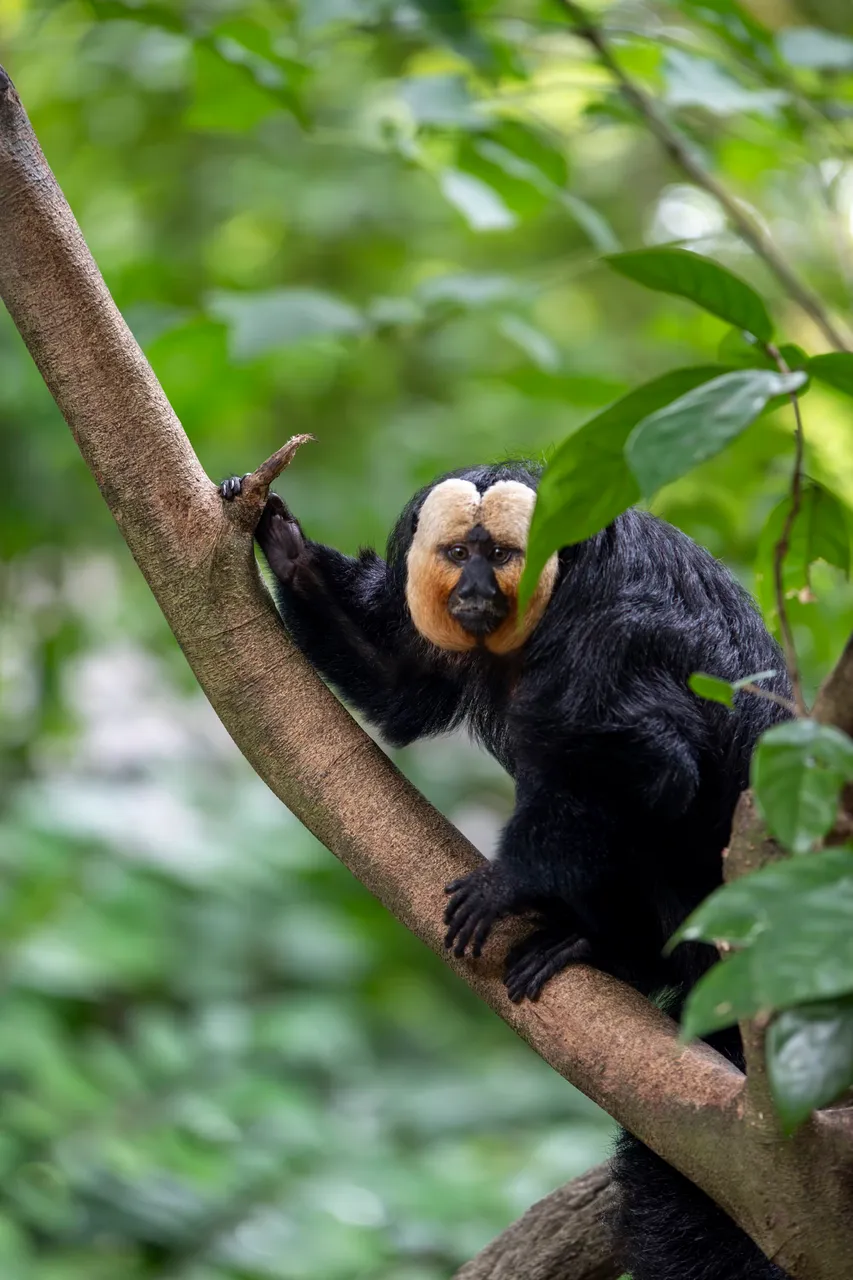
(458, 553)
(500, 555)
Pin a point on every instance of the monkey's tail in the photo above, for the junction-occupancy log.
(666, 1228)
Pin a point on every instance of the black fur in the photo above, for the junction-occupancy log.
(626, 781)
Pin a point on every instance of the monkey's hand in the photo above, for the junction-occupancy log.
(232, 487)
(537, 958)
(280, 538)
(476, 902)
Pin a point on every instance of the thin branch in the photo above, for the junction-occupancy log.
(246, 508)
(747, 227)
(782, 547)
(563, 1237)
(259, 480)
(769, 696)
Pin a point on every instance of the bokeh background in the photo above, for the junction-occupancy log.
(219, 1057)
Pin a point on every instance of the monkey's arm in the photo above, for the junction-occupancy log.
(581, 846)
(346, 617)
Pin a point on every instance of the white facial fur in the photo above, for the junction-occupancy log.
(448, 514)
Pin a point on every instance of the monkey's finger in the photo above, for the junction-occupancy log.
(455, 885)
(484, 928)
(515, 991)
(460, 899)
(477, 927)
(274, 511)
(230, 488)
(288, 536)
(528, 978)
(457, 919)
(276, 505)
(463, 937)
(464, 919)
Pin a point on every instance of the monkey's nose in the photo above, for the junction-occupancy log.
(477, 584)
(470, 591)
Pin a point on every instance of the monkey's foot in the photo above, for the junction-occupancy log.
(280, 539)
(230, 488)
(476, 902)
(534, 960)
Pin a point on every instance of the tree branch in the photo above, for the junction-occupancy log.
(199, 561)
(834, 703)
(563, 1237)
(780, 551)
(748, 228)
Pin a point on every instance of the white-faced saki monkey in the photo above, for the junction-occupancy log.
(625, 780)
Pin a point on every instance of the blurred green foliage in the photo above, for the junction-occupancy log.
(380, 222)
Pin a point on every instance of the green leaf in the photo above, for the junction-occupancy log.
(821, 531)
(835, 369)
(810, 1058)
(701, 423)
(149, 15)
(759, 675)
(237, 87)
(691, 81)
(443, 101)
(800, 950)
(710, 286)
(518, 162)
(741, 349)
(533, 342)
(470, 292)
(712, 688)
(723, 691)
(587, 483)
(260, 322)
(798, 771)
(738, 913)
(480, 206)
(592, 223)
(724, 995)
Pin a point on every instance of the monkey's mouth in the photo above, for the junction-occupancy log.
(478, 616)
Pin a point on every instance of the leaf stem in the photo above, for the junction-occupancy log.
(747, 226)
(782, 546)
(769, 696)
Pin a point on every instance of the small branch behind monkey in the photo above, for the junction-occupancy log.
(747, 226)
(783, 545)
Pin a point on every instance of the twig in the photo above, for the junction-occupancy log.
(255, 487)
(783, 545)
(263, 476)
(769, 696)
(748, 227)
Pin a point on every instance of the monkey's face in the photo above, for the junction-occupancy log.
(465, 564)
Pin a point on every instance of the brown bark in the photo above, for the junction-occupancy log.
(196, 554)
(834, 703)
(563, 1237)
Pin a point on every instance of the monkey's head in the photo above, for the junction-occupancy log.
(467, 538)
